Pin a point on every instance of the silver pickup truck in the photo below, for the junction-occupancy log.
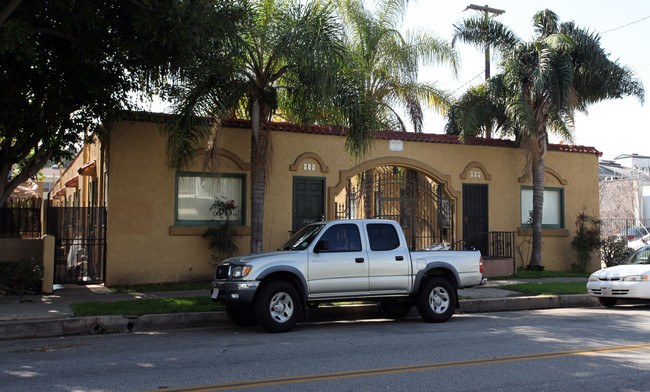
(343, 260)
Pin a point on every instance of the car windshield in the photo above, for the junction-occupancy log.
(642, 256)
(303, 238)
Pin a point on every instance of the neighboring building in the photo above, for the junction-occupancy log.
(624, 191)
(437, 188)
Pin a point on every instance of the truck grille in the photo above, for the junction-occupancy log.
(222, 272)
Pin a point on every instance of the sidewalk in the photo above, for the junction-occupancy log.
(51, 315)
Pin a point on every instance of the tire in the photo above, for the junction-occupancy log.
(608, 302)
(396, 310)
(241, 318)
(278, 306)
(436, 300)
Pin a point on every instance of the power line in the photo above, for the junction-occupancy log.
(468, 82)
(625, 25)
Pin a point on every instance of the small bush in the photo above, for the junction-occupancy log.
(18, 277)
(614, 251)
(586, 240)
(221, 238)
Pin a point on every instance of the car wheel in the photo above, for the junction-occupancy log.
(241, 318)
(436, 300)
(608, 302)
(278, 306)
(396, 310)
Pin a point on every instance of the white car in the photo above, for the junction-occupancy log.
(629, 280)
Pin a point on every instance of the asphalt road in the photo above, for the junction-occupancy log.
(578, 349)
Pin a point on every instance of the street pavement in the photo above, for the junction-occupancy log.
(52, 315)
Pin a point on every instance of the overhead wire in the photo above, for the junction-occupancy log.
(625, 25)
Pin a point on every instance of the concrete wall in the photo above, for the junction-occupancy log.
(143, 245)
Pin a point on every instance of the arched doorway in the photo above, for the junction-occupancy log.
(418, 202)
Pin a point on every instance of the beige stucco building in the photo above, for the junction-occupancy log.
(156, 215)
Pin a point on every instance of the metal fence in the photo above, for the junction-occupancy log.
(493, 244)
(21, 219)
(621, 226)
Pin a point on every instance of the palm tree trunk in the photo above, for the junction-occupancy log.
(258, 182)
(538, 205)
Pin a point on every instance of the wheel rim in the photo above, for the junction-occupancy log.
(439, 300)
(281, 307)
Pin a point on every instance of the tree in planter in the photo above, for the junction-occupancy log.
(586, 240)
(221, 238)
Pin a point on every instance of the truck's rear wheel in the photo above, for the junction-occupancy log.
(278, 306)
(241, 318)
(436, 300)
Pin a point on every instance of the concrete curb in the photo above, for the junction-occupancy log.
(527, 303)
(124, 324)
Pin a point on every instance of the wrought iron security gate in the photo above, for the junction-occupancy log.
(80, 243)
(413, 200)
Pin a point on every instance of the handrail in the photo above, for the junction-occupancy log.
(493, 244)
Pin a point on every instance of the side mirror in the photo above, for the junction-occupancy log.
(322, 246)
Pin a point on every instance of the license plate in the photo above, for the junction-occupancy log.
(215, 293)
(606, 291)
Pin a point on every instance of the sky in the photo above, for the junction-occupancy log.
(613, 127)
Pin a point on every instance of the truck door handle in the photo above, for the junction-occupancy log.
(399, 258)
(359, 259)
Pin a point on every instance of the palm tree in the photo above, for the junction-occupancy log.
(382, 70)
(545, 81)
(485, 33)
(289, 54)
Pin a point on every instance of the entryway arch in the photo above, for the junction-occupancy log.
(412, 193)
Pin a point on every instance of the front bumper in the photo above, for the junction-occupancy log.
(619, 289)
(234, 292)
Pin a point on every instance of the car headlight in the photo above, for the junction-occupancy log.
(635, 278)
(593, 278)
(239, 271)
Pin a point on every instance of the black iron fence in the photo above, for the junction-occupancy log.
(21, 219)
(80, 245)
(493, 244)
(623, 227)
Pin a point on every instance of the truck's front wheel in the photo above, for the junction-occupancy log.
(277, 306)
(436, 300)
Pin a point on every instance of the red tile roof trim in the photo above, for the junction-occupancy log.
(88, 169)
(73, 182)
(385, 135)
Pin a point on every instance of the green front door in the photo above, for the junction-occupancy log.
(308, 201)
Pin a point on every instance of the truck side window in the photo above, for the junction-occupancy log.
(343, 238)
(382, 237)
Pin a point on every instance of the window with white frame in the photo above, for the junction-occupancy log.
(197, 192)
(552, 211)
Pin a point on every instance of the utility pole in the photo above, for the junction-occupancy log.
(487, 10)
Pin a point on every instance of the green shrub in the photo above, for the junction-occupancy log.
(614, 251)
(18, 277)
(221, 238)
(586, 240)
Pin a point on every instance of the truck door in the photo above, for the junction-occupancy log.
(342, 269)
(389, 259)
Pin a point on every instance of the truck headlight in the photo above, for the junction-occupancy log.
(635, 278)
(239, 271)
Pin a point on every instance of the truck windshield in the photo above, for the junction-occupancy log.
(303, 238)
